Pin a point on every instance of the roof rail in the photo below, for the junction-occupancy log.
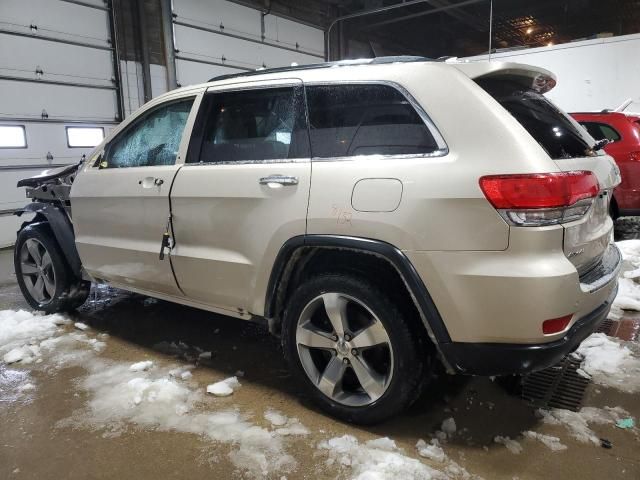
(340, 63)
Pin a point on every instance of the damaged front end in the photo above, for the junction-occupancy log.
(52, 185)
(49, 192)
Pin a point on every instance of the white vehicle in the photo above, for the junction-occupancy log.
(380, 215)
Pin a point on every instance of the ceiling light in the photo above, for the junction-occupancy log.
(529, 30)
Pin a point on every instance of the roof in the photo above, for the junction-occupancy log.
(341, 63)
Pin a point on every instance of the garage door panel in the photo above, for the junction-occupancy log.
(235, 18)
(287, 32)
(43, 138)
(191, 73)
(19, 56)
(66, 20)
(20, 99)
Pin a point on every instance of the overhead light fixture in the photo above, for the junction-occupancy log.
(550, 44)
(529, 31)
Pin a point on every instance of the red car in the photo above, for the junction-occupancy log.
(623, 132)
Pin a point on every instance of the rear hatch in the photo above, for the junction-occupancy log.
(519, 89)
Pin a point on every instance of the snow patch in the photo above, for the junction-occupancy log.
(553, 443)
(449, 426)
(375, 459)
(141, 366)
(276, 418)
(512, 445)
(578, 423)
(432, 451)
(224, 388)
(81, 326)
(610, 363)
(157, 400)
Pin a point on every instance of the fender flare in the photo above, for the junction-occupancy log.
(413, 282)
(57, 218)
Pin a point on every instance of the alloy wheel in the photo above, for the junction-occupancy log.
(37, 270)
(344, 349)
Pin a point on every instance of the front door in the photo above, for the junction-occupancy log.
(120, 205)
(242, 192)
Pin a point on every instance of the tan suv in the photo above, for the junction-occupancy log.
(378, 214)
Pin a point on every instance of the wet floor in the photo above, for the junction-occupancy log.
(37, 440)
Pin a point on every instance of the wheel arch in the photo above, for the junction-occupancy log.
(58, 221)
(298, 252)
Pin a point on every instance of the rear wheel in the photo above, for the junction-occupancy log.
(352, 349)
(44, 278)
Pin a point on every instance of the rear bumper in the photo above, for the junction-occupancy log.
(507, 359)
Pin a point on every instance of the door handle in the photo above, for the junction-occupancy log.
(148, 182)
(283, 180)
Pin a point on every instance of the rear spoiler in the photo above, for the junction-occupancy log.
(537, 78)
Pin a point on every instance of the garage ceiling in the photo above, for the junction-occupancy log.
(419, 28)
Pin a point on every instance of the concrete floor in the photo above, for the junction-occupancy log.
(37, 443)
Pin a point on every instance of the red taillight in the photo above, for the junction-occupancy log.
(555, 325)
(539, 190)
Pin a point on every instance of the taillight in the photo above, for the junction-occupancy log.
(541, 198)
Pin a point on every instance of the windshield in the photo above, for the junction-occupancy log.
(547, 124)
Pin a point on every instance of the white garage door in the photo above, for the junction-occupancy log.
(58, 91)
(216, 37)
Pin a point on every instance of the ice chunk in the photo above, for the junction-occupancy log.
(141, 366)
(431, 451)
(224, 388)
(449, 426)
(512, 445)
(276, 418)
(375, 459)
(81, 326)
(553, 443)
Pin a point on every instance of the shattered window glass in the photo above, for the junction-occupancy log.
(250, 125)
(153, 140)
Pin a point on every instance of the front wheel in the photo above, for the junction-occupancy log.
(43, 276)
(352, 349)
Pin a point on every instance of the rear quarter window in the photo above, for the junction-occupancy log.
(350, 120)
(545, 122)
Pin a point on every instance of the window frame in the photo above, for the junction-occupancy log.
(443, 148)
(135, 121)
(66, 131)
(24, 133)
(197, 135)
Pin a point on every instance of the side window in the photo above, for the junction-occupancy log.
(601, 131)
(152, 140)
(252, 125)
(348, 120)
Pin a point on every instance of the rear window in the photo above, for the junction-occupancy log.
(549, 126)
(348, 120)
(601, 131)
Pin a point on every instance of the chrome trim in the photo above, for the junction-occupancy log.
(251, 162)
(284, 180)
(611, 265)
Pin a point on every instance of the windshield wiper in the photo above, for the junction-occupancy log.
(600, 144)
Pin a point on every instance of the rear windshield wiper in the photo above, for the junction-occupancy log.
(600, 144)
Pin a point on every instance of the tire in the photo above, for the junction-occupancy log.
(43, 275)
(332, 371)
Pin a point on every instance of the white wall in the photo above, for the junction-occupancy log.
(592, 74)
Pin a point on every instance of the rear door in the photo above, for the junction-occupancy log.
(242, 192)
(120, 204)
(585, 240)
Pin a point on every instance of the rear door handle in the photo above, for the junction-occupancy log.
(149, 182)
(279, 180)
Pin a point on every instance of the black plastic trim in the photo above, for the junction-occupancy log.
(508, 359)
(60, 224)
(387, 251)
